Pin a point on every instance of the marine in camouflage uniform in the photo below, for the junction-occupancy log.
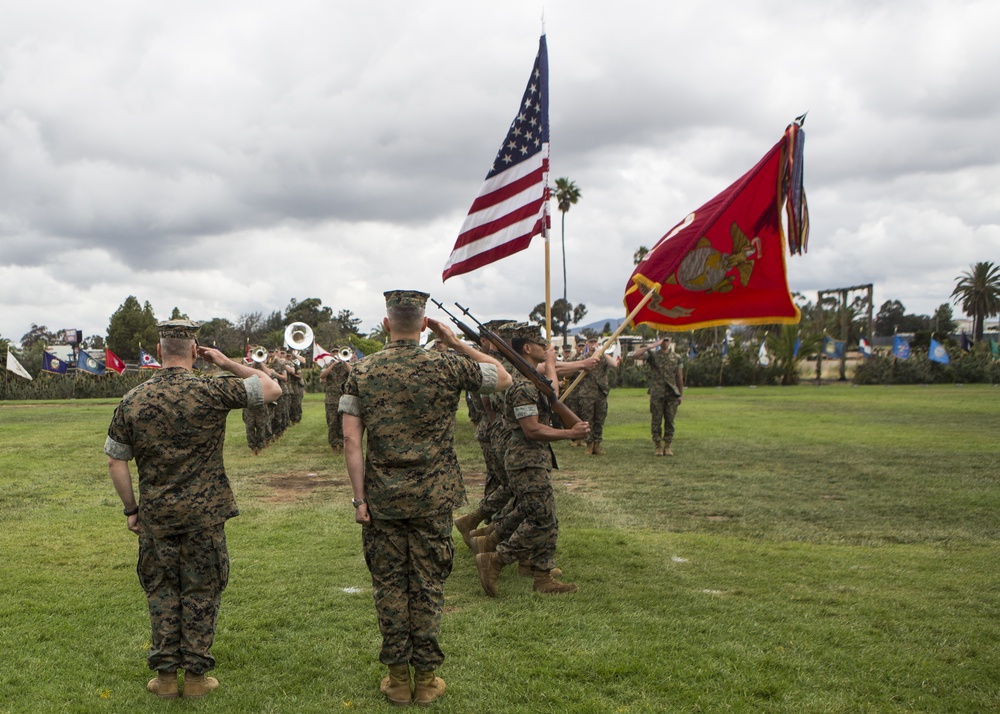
(409, 481)
(297, 388)
(332, 376)
(593, 399)
(492, 438)
(257, 420)
(279, 413)
(666, 389)
(529, 461)
(174, 426)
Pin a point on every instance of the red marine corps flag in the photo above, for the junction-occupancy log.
(513, 204)
(725, 262)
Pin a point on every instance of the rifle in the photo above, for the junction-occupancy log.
(466, 330)
(541, 382)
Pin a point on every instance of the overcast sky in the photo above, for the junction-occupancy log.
(226, 157)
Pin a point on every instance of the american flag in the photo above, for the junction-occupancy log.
(513, 205)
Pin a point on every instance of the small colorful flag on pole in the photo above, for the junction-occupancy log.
(900, 348)
(937, 352)
(864, 348)
(51, 363)
(762, 355)
(321, 356)
(16, 367)
(113, 361)
(86, 363)
(833, 349)
(147, 361)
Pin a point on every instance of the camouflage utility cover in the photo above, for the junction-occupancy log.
(174, 426)
(407, 397)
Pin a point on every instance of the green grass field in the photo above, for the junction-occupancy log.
(808, 549)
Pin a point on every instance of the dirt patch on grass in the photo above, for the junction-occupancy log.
(474, 479)
(288, 488)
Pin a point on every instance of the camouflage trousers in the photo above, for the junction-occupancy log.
(295, 408)
(279, 415)
(258, 424)
(496, 493)
(663, 409)
(531, 523)
(183, 576)
(594, 409)
(409, 561)
(334, 425)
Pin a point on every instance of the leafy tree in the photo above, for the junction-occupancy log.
(310, 311)
(978, 292)
(379, 334)
(130, 326)
(94, 342)
(781, 346)
(639, 254)
(176, 314)
(944, 321)
(347, 322)
(567, 194)
(223, 335)
(38, 334)
(564, 314)
(889, 318)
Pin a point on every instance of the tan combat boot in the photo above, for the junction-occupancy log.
(484, 544)
(198, 685)
(427, 688)
(164, 685)
(666, 449)
(525, 570)
(467, 523)
(489, 572)
(547, 585)
(659, 448)
(396, 685)
(597, 450)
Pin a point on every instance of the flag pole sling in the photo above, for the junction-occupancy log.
(611, 340)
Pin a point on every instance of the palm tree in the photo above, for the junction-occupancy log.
(787, 355)
(567, 194)
(978, 291)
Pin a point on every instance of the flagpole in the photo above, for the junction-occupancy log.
(548, 293)
(611, 340)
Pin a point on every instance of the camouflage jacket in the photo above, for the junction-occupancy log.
(407, 397)
(174, 426)
(333, 384)
(595, 381)
(279, 366)
(523, 399)
(663, 373)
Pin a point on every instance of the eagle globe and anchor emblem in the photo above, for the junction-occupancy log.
(707, 269)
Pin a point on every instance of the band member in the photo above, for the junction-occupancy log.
(332, 376)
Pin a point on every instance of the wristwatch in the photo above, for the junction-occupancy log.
(132, 512)
(355, 502)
